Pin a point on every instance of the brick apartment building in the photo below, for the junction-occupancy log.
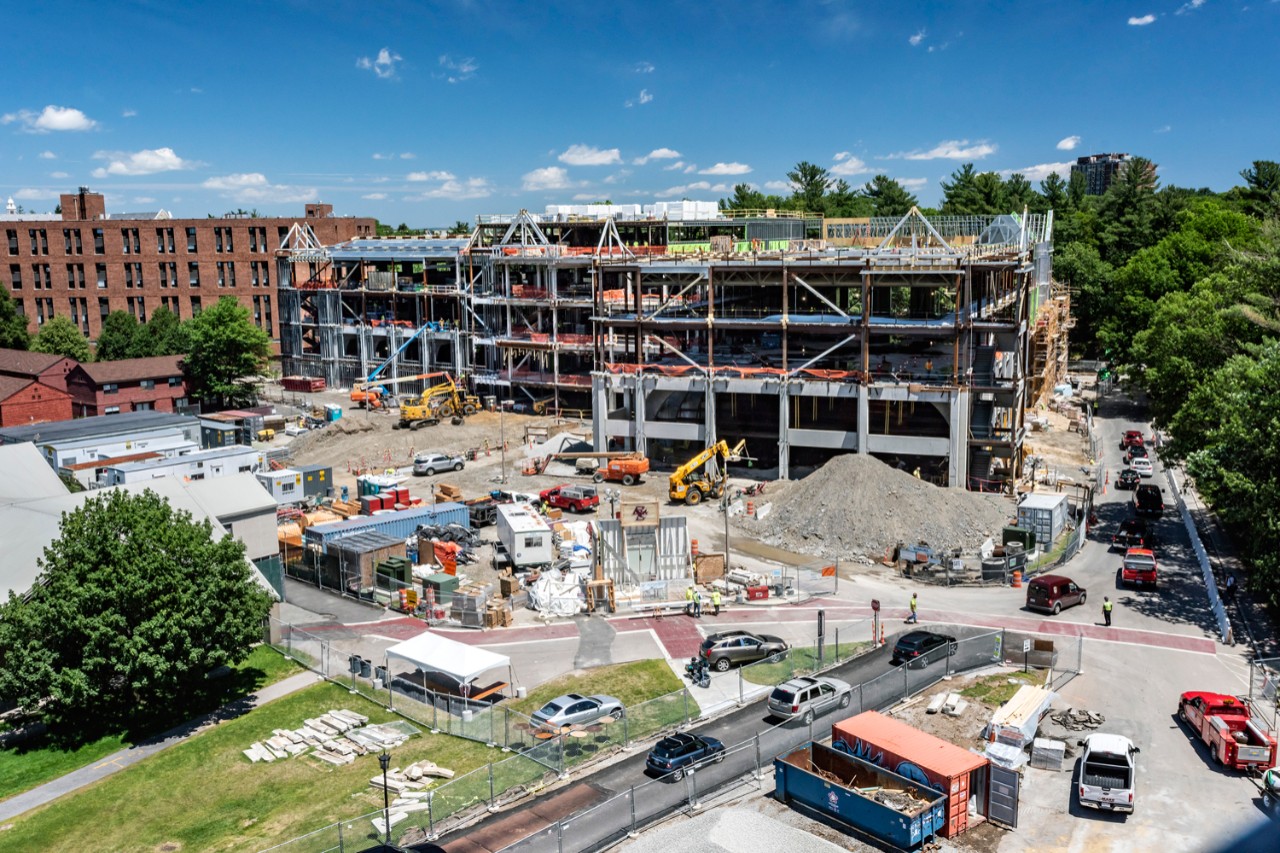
(129, 385)
(27, 401)
(85, 263)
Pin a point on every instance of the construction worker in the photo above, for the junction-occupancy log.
(697, 603)
(715, 601)
(914, 618)
(688, 600)
(1106, 609)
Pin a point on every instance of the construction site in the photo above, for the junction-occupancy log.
(922, 341)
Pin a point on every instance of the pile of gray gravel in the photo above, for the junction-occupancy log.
(857, 506)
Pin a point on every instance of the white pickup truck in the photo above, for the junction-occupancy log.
(1108, 772)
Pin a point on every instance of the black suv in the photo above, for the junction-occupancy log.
(673, 755)
(1148, 500)
(921, 648)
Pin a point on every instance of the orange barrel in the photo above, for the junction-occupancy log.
(693, 543)
(1017, 578)
(751, 507)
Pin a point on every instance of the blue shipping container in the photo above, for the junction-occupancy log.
(401, 524)
(796, 779)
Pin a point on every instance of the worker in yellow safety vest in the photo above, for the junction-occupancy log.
(715, 601)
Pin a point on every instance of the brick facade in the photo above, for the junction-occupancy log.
(26, 401)
(48, 369)
(84, 266)
(129, 385)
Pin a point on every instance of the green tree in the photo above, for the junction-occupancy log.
(116, 340)
(135, 604)
(811, 182)
(888, 197)
(60, 336)
(225, 350)
(1019, 194)
(13, 326)
(162, 334)
(844, 201)
(1053, 192)
(1261, 192)
(960, 195)
(460, 228)
(1128, 209)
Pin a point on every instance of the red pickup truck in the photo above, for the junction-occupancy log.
(1139, 567)
(1227, 728)
(576, 498)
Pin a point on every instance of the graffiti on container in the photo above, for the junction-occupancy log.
(873, 754)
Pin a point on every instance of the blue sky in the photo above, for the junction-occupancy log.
(426, 113)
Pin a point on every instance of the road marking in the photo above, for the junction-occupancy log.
(529, 642)
(114, 761)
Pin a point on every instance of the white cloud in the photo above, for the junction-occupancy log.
(383, 65)
(587, 155)
(48, 155)
(912, 183)
(840, 155)
(144, 199)
(591, 197)
(408, 155)
(780, 186)
(1068, 144)
(954, 149)
(457, 190)
(1164, 128)
(128, 113)
(378, 156)
(726, 169)
(621, 175)
(1143, 21)
(32, 194)
(849, 165)
(550, 178)
(1040, 171)
(679, 164)
(656, 154)
(644, 67)
(374, 196)
(146, 162)
(691, 168)
(685, 189)
(51, 118)
(430, 176)
(644, 98)
(1189, 6)
(254, 187)
(915, 40)
(59, 175)
(458, 70)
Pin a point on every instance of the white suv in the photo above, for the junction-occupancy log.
(430, 463)
(1142, 465)
(808, 696)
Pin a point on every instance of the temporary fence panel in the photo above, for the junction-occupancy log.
(1202, 557)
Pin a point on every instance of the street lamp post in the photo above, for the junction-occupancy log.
(385, 760)
(612, 496)
(725, 501)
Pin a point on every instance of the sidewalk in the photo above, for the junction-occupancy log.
(76, 779)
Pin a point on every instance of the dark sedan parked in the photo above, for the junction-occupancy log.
(726, 648)
(921, 648)
(673, 756)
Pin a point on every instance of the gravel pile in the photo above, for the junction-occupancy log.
(857, 506)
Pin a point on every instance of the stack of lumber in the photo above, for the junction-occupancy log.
(1017, 721)
(345, 509)
(448, 493)
(498, 614)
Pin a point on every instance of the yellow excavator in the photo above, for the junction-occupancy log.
(705, 474)
(439, 402)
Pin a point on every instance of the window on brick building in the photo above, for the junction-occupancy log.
(191, 239)
(193, 273)
(129, 241)
(231, 273)
(104, 306)
(217, 239)
(111, 410)
(175, 381)
(128, 276)
(66, 239)
(12, 236)
(222, 275)
(99, 243)
(15, 276)
(110, 388)
(102, 276)
(266, 306)
(147, 385)
(147, 407)
(195, 305)
(142, 309)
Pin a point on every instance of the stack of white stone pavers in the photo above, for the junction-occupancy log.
(337, 737)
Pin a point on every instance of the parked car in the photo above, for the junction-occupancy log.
(1142, 465)
(726, 648)
(430, 463)
(1107, 772)
(575, 498)
(1128, 479)
(1139, 567)
(1132, 533)
(574, 709)
(1132, 438)
(1051, 593)
(808, 696)
(674, 755)
(921, 648)
(1137, 451)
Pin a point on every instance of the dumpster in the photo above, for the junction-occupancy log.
(855, 792)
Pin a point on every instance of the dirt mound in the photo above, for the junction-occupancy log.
(858, 505)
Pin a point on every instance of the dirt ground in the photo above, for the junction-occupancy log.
(1061, 449)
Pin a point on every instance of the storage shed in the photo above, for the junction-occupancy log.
(949, 769)
(1046, 514)
(350, 563)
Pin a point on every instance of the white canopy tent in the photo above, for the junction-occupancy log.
(462, 663)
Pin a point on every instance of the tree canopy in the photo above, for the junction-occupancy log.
(59, 336)
(135, 604)
(13, 326)
(115, 339)
(225, 349)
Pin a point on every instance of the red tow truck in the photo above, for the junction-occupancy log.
(1225, 725)
(576, 498)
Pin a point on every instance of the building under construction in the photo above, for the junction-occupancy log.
(919, 340)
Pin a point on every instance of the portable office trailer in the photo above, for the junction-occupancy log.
(214, 433)
(1046, 515)
(525, 535)
(285, 485)
(199, 465)
(317, 480)
(883, 804)
(951, 770)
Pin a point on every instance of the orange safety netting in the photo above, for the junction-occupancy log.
(735, 370)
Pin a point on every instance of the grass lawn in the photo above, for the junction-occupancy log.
(203, 794)
(799, 661)
(997, 689)
(37, 761)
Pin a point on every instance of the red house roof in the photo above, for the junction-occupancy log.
(17, 362)
(133, 369)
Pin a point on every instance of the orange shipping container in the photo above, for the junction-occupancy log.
(908, 751)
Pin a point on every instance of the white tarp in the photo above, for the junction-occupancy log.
(440, 654)
(558, 594)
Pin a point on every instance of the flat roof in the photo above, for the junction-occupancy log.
(26, 475)
(422, 248)
(1041, 500)
(113, 461)
(872, 731)
(131, 464)
(98, 426)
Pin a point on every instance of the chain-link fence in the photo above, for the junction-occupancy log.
(1264, 690)
(840, 643)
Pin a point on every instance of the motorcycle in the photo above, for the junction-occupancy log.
(698, 671)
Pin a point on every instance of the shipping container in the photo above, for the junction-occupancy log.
(951, 770)
(401, 524)
(1046, 515)
(871, 799)
(285, 485)
(317, 480)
